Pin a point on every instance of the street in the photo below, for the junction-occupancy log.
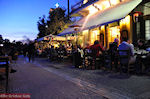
(42, 84)
(43, 79)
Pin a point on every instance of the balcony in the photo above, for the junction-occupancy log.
(80, 5)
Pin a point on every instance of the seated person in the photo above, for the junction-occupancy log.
(96, 49)
(141, 44)
(113, 47)
(113, 52)
(126, 46)
(132, 46)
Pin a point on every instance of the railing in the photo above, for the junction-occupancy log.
(80, 4)
(77, 5)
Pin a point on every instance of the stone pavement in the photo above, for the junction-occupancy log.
(41, 84)
(112, 83)
(60, 80)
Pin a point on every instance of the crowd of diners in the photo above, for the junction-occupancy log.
(97, 50)
(90, 53)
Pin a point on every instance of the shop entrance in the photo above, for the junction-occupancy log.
(113, 32)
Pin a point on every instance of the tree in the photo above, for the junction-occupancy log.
(57, 21)
(41, 27)
(1, 39)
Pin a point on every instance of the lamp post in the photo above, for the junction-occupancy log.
(68, 10)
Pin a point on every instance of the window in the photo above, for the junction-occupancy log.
(113, 32)
(94, 35)
(147, 29)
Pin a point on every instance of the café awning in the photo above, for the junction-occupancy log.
(67, 31)
(52, 37)
(107, 16)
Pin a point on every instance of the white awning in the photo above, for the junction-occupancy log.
(52, 37)
(67, 31)
(109, 15)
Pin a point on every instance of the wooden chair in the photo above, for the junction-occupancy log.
(5, 64)
(124, 58)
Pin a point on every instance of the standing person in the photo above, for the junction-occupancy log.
(76, 57)
(31, 51)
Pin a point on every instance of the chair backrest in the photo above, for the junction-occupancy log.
(124, 56)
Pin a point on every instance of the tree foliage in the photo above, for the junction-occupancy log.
(1, 39)
(41, 27)
(55, 23)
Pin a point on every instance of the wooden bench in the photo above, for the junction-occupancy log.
(4, 64)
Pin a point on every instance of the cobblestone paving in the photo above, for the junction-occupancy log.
(132, 86)
(42, 84)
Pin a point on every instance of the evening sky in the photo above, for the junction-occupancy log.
(18, 18)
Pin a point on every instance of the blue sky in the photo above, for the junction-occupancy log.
(18, 18)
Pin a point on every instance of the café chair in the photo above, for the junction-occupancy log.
(87, 60)
(124, 58)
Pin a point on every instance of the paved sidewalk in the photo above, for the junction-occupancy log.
(61, 80)
(42, 84)
(131, 86)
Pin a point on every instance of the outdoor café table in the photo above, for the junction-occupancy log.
(141, 56)
(4, 63)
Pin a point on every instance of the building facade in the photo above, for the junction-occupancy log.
(103, 20)
(141, 23)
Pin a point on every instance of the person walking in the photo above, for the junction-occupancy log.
(31, 51)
